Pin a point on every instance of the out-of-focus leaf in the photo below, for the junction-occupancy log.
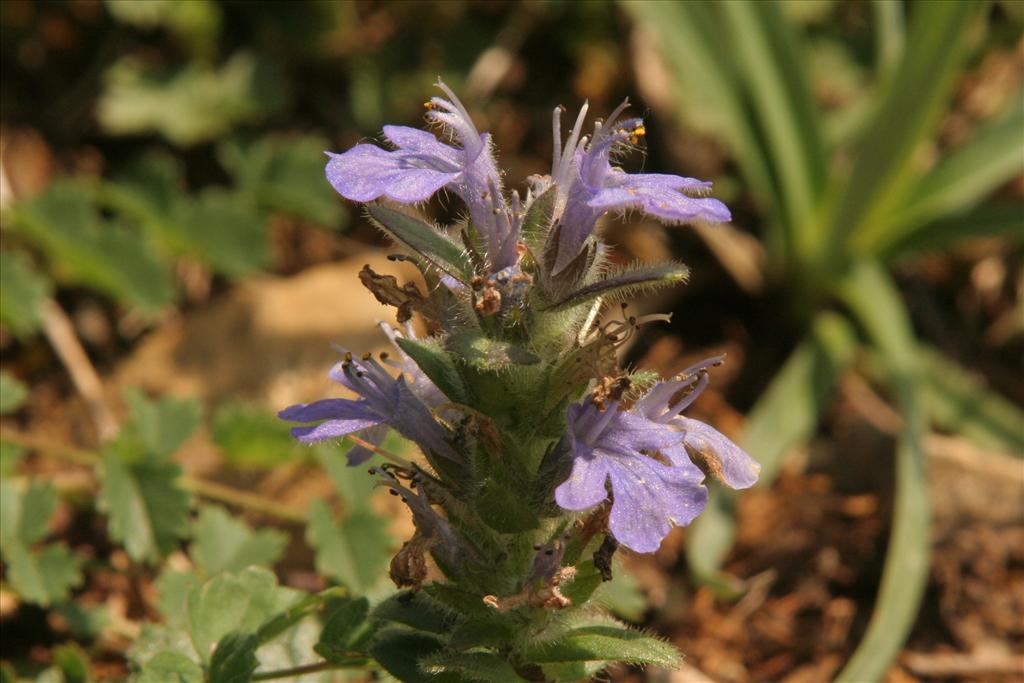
(400, 651)
(73, 663)
(907, 559)
(772, 68)
(959, 181)
(42, 577)
(874, 299)
(997, 218)
(162, 425)
(22, 291)
(84, 249)
(195, 23)
(622, 597)
(11, 456)
(85, 622)
(959, 402)
(224, 230)
(234, 660)
(284, 174)
(785, 416)
(12, 393)
(890, 36)
(249, 436)
(608, 642)
(224, 543)
(234, 602)
(344, 626)
(155, 639)
(172, 587)
(147, 508)
(170, 667)
(355, 551)
(192, 105)
(906, 114)
(26, 514)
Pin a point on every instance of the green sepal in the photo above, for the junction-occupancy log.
(423, 239)
(538, 218)
(627, 282)
(503, 510)
(436, 365)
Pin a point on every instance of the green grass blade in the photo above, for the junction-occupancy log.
(996, 218)
(907, 561)
(772, 68)
(907, 114)
(890, 36)
(785, 416)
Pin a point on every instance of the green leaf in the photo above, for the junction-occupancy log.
(170, 667)
(85, 249)
(225, 230)
(785, 416)
(436, 364)
(503, 510)
(344, 627)
(417, 611)
(225, 543)
(26, 514)
(772, 67)
(622, 597)
(958, 401)
(195, 23)
(147, 508)
(172, 587)
(997, 218)
(42, 577)
(284, 174)
(355, 485)
(959, 181)
(905, 574)
(605, 642)
(233, 602)
(12, 393)
(193, 104)
(906, 115)
(249, 436)
(234, 660)
(400, 651)
(355, 551)
(423, 239)
(485, 667)
(22, 291)
(11, 456)
(626, 282)
(163, 425)
(73, 663)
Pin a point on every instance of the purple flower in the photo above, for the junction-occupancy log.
(385, 402)
(421, 165)
(589, 186)
(644, 453)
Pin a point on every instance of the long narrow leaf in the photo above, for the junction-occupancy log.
(890, 36)
(768, 52)
(422, 238)
(911, 105)
(997, 218)
(785, 416)
(629, 281)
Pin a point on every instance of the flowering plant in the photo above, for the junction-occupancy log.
(541, 455)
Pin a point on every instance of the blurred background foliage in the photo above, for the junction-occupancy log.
(157, 155)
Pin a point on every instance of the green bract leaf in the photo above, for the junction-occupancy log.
(484, 667)
(503, 510)
(354, 551)
(630, 281)
(147, 508)
(12, 393)
(345, 626)
(170, 667)
(423, 239)
(606, 642)
(284, 174)
(234, 660)
(224, 543)
(436, 364)
(538, 218)
(42, 577)
(88, 250)
(22, 292)
(195, 104)
(400, 652)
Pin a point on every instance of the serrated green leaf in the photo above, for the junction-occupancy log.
(155, 639)
(42, 577)
(400, 651)
(355, 551)
(484, 667)
(344, 626)
(85, 622)
(147, 508)
(170, 667)
(233, 602)
(629, 281)
(249, 436)
(436, 364)
(26, 513)
(284, 174)
(161, 425)
(193, 104)
(224, 543)
(604, 643)
(88, 250)
(22, 291)
(12, 393)
(234, 660)
(423, 239)
(172, 587)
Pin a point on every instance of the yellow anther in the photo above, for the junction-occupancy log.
(429, 105)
